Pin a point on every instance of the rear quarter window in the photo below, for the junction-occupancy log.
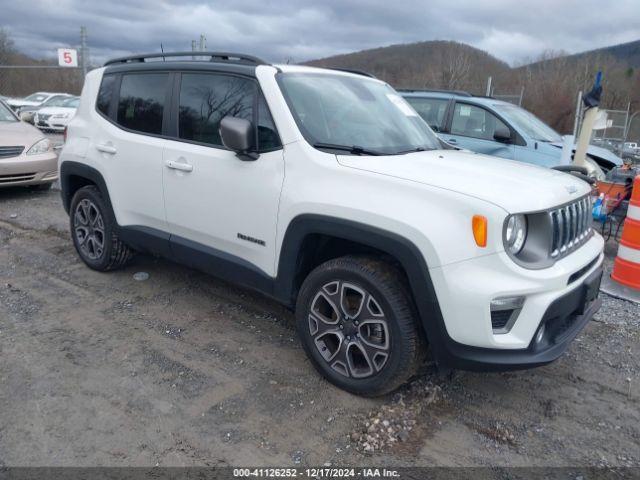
(105, 94)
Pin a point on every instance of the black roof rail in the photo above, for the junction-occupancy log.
(462, 93)
(213, 57)
(354, 71)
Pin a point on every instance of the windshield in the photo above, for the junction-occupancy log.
(35, 97)
(528, 123)
(71, 103)
(347, 111)
(5, 114)
(56, 101)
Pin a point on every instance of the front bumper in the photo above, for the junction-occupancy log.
(563, 320)
(51, 124)
(462, 336)
(466, 289)
(29, 170)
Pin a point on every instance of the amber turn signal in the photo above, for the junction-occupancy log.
(479, 227)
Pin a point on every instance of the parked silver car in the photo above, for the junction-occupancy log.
(26, 156)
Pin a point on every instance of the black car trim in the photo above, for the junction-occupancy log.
(220, 57)
(70, 169)
(404, 251)
(170, 116)
(221, 264)
(283, 288)
(446, 352)
(566, 309)
(173, 66)
(146, 239)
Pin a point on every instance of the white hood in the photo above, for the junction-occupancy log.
(514, 186)
(17, 102)
(57, 111)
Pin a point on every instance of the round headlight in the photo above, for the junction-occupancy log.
(516, 233)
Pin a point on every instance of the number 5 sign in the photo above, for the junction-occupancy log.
(67, 57)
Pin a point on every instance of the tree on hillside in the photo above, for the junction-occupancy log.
(6, 46)
(454, 63)
(553, 80)
(23, 81)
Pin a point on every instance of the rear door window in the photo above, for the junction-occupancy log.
(432, 110)
(205, 99)
(142, 101)
(473, 121)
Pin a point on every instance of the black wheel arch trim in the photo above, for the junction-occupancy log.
(397, 246)
(446, 352)
(70, 169)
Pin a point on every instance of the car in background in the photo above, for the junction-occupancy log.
(26, 156)
(27, 113)
(494, 127)
(56, 118)
(33, 100)
(630, 150)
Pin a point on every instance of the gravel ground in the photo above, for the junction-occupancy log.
(183, 369)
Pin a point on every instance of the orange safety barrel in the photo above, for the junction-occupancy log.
(626, 267)
(611, 190)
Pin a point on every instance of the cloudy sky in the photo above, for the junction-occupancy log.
(306, 29)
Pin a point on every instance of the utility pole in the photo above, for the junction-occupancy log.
(576, 121)
(521, 95)
(488, 94)
(83, 50)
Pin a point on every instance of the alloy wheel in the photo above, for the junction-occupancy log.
(88, 226)
(349, 329)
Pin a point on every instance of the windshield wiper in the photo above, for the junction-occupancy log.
(411, 150)
(353, 149)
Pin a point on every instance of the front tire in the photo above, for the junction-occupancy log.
(94, 231)
(356, 321)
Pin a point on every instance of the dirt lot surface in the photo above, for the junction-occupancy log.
(183, 369)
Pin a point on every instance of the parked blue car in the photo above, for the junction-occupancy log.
(493, 127)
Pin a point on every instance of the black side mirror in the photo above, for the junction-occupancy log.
(502, 134)
(237, 134)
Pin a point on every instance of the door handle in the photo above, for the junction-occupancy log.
(183, 167)
(106, 148)
(452, 140)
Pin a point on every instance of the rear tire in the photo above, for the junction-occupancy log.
(357, 324)
(94, 231)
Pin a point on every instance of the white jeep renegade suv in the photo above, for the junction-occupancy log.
(326, 191)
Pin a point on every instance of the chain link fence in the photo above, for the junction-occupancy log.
(633, 128)
(616, 126)
(21, 81)
(613, 137)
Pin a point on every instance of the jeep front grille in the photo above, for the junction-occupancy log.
(571, 226)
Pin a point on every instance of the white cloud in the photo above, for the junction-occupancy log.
(306, 29)
(511, 45)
